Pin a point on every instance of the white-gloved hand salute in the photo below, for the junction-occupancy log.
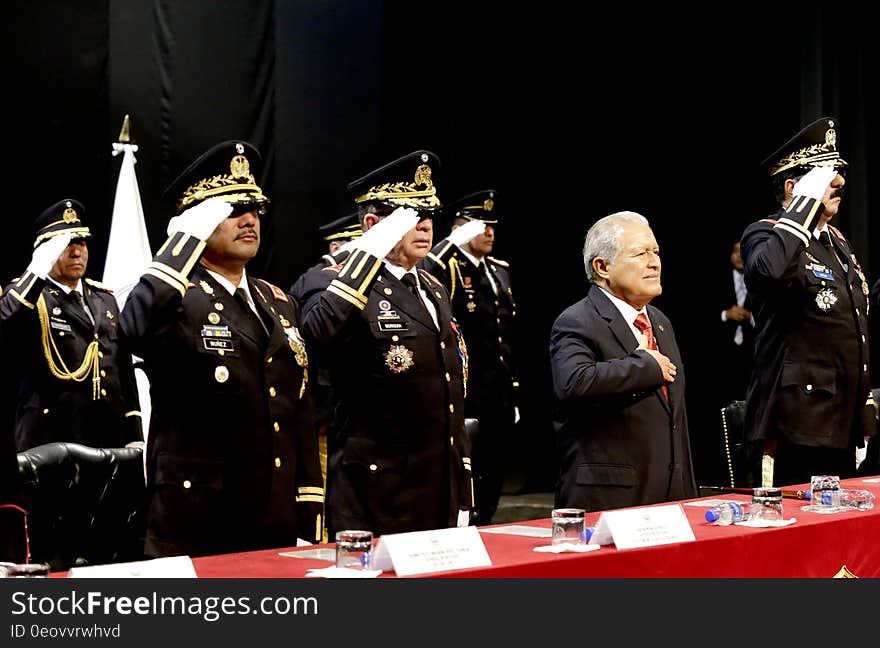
(814, 183)
(46, 254)
(381, 238)
(467, 232)
(201, 220)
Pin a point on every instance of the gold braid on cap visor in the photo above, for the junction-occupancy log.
(402, 193)
(221, 185)
(815, 155)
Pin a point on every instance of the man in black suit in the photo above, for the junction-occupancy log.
(483, 305)
(737, 340)
(618, 380)
(74, 380)
(232, 455)
(808, 399)
(396, 362)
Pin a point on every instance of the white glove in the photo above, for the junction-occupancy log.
(201, 221)
(814, 183)
(45, 256)
(348, 246)
(467, 232)
(381, 238)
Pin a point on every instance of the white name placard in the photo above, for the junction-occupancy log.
(172, 567)
(643, 527)
(425, 552)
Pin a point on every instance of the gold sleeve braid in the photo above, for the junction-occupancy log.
(91, 360)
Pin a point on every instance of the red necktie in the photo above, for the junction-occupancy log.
(644, 326)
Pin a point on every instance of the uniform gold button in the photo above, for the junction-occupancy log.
(857, 312)
(269, 360)
(278, 462)
(451, 441)
(451, 408)
(100, 354)
(500, 341)
(46, 411)
(809, 388)
(387, 291)
(448, 377)
(276, 426)
(221, 352)
(96, 336)
(60, 333)
(187, 483)
(373, 467)
(103, 392)
(103, 373)
(496, 302)
(272, 392)
(394, 338)
(442, 345)
(501, 358)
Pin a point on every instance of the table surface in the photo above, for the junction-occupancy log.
(816, 545)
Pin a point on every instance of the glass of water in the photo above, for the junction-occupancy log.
(568, 526)
(354, 549)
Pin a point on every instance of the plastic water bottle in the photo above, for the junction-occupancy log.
(728, 513)
(856, 498)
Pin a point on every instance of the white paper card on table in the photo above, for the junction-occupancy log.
(171, 567)
(521, 530)
(424, 552)
(643, 527)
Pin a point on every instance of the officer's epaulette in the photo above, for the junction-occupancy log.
(333, 268)
(97, 285)
(431, 277)
(277, 293)
(503, 264)
(837, 233)
(772, 221)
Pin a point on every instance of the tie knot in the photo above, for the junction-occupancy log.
(825, 239)
(409, 279)
(642, 323)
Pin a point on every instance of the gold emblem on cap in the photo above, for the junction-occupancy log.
(206, 287)
(239, 166)
(399, 359)
(221, 374)
(69, 215)
(831, 136)
(423, 175)
(488, 204)
(214, 318)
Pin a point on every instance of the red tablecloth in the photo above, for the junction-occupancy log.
(816, 545)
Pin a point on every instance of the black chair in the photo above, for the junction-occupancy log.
(85, 506)
(741, 455)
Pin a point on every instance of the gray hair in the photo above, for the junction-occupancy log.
(603, 238)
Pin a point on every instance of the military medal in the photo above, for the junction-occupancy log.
(865, 289)
(385, 305)
(284, 321)
(399, 359)
(218, 306)
(206, 287)
(214, 318)
(826, 299)
(109, 315)
(471, 306)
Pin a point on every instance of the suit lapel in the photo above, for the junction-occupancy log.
(444, 313)
(272, 320)
(618, 326)
(666, 346)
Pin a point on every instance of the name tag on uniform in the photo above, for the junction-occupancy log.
(218, 344)
(60, 326)
(393, 326)
(822, 274)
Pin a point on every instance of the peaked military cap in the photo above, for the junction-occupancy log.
(228, 170)
(405, 182)
(63, 217)
(813, 145)
(479, 205)
(347, 227)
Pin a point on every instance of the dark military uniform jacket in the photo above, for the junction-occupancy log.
(620, 441)
(486, 322)
(232, 449)
(810, 380)
(75, 379)
(396, 461)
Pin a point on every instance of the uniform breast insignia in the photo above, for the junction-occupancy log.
(826, 299)
(297, 345)
(399, 359)
(218, 306)
(108, 315)
(385, 305)
(214, 318)
(206, 287)
(471, 306)
(221, 374)
(277, 293)
(284, 321)
(56, 311)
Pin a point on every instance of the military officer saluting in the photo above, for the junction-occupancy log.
(482, 303)
(807, 403)
(396, 460)
(232, 456)
(75, 381)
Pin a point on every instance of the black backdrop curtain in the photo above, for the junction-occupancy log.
(569, 111)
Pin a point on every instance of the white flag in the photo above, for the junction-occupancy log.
(128, 248)
(128, 253)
